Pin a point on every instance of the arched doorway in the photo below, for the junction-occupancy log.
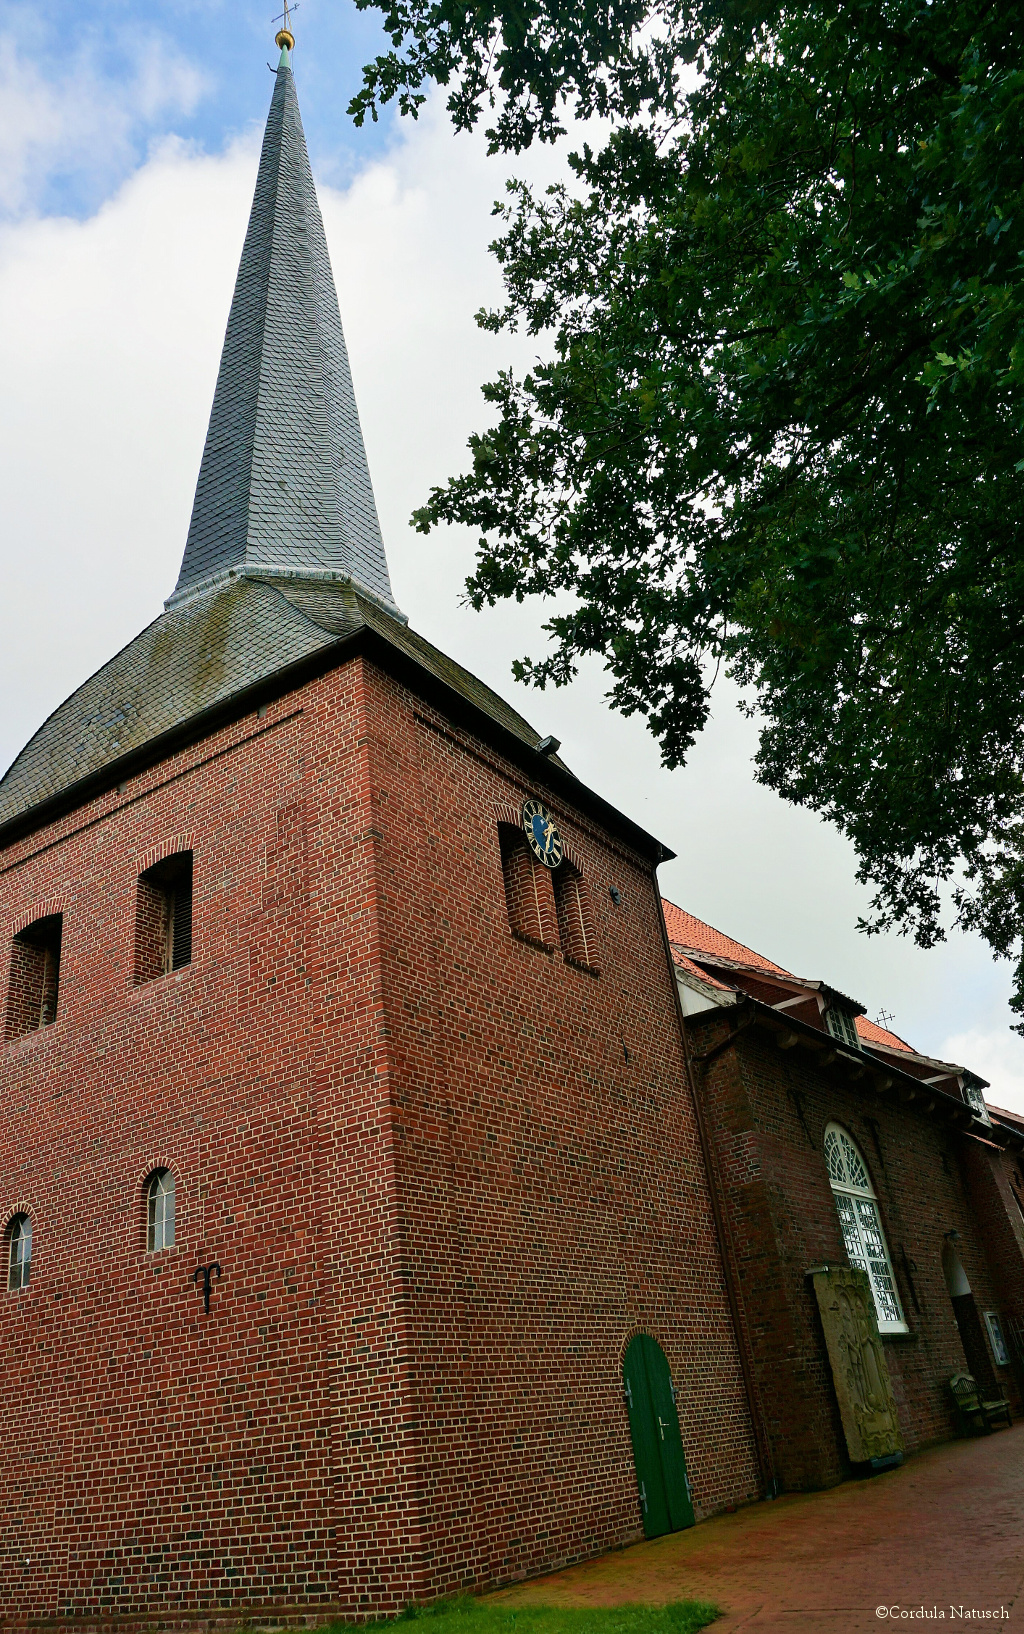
(967, 1319)
(657, 1445)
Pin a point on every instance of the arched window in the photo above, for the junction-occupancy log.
(160, 1210)
(862, 1229)
(19, 1236)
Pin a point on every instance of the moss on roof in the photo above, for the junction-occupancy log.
(202, 653)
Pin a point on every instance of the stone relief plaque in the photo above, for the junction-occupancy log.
(866, 1403)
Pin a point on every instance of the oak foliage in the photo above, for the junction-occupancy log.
(781, 424)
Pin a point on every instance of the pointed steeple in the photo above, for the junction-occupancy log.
(284, 487)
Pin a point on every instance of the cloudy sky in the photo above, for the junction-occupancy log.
(129, 137)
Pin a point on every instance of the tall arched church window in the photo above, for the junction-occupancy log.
(19, 1259)
(160, 1210)
(861, 1225)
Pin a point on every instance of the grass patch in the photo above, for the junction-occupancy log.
(465, 1614)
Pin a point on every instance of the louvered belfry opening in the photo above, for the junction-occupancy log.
(34, 987)
(163, 919)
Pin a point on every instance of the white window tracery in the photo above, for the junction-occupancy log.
(861, 1225)
(19, 1262)
(160, 1210)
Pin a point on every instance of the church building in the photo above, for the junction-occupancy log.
(359, 1243)
(836, 1145)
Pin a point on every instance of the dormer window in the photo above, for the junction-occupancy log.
(974, 1098)
(842, 1024)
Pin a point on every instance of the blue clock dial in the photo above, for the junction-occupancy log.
(543, 837)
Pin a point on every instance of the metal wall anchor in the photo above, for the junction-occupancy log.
(206, 1271)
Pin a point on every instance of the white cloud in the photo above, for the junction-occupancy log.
(997, 1056)
(83, 123)
(108, 372)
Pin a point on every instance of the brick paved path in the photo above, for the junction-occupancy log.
(946, 1530)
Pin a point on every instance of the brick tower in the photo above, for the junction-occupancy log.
(299, 1028)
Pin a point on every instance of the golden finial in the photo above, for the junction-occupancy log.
(284, 37)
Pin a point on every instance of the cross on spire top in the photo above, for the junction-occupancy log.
(284, 37)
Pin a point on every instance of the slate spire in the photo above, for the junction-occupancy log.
(284, 485)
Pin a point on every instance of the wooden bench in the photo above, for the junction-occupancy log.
(973, 1411)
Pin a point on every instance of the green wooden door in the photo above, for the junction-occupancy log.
(657, 1445)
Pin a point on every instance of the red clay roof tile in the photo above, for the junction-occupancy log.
(872, 1033)
(687, 931)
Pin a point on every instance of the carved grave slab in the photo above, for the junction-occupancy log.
(866, 1403)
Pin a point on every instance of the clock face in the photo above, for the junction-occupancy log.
(544, 838)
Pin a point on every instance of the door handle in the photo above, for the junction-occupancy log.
(661, 1426)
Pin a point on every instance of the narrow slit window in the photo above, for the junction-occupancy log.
(160, 1210)
(19, 1255)
(34, 988)
(163, 921)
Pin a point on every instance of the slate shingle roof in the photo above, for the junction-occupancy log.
(202, 653)
(284, 561)
(284, 480)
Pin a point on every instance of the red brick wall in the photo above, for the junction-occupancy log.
(769, 1109)
(34, 980)
(441, 1196)
(154, 1456)
(990, 1176)
(554, 1199)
